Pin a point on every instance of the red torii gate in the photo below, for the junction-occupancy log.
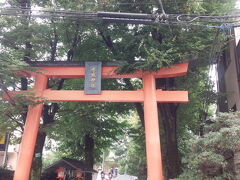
(149, 95)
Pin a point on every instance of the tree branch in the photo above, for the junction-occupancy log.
(108, 41)
(74, 44)
(18, 123)
(138, 106)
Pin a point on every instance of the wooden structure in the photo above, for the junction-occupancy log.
(73, 169)
(149, 96)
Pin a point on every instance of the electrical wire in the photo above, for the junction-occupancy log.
(196, 17)
(117, 3)
(178, 16)
(221, 22)
(161, 5)
(137, 3)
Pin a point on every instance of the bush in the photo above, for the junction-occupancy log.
(211, 156)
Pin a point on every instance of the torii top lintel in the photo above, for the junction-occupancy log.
(107, 72)
(106, 96)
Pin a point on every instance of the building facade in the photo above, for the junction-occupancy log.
(228, 70)
(10, 160)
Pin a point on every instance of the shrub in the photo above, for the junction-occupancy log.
(211, 156)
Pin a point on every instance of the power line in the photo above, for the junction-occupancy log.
(161, 6)
(6, 11)
(139, 3)
(127, 18)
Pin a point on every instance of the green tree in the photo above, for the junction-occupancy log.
(130, 149)
(214, 155)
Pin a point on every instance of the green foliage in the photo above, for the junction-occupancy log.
(208, 156)
(50, 158)
(75, 121)
(12, 106)
(9, 64)
(130, 151)
(201, 97)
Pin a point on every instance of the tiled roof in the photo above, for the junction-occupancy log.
(70, 164)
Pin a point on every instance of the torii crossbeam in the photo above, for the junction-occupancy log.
(149, 96)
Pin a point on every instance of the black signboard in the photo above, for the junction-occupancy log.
(93, 72)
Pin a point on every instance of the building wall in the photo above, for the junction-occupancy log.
(228, 74)
(12, 157)
(11, 161)
(231, 78)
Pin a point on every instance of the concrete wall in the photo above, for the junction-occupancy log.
(11, 161)
(12, 157)
(232, 71)
(231, 78)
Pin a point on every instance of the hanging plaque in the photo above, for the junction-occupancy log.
(92, 82)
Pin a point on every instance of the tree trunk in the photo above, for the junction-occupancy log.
(237, 164)
(24, 86)
(171, 157)
(168, 121)
(138, 106)
(89, 156)
(36, 169)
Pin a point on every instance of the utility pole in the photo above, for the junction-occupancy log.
(5, 156)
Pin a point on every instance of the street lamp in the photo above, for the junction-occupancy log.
(60, 173)
(79, 174)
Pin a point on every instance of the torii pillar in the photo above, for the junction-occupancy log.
(152, 128)
(149, 96)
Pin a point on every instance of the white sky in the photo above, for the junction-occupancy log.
(238, 4)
